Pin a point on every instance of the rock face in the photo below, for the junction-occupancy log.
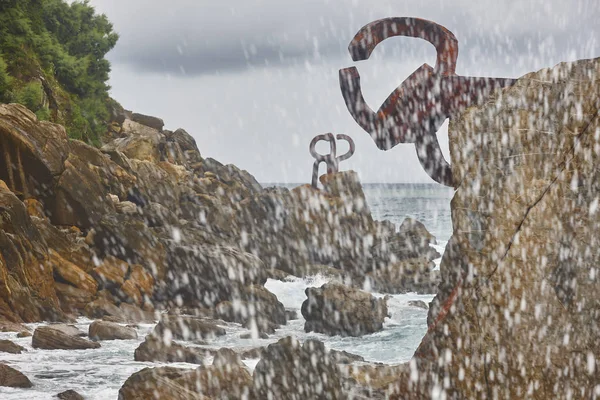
(288, 370)
(156, 349)
(519, 304)
(104, 330)
(336, 309)
(148, 221)
(47, 338)
(12, 378)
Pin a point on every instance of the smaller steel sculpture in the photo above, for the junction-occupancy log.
(331, 159)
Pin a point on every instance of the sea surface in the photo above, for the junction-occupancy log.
(99, 373)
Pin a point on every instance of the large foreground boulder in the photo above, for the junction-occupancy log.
(518, 311)
(48, 338)
(291, 371)
(335, 309)
(12, 378)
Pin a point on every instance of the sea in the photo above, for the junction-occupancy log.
(99, 373)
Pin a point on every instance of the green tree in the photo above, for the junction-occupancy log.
(65, 46)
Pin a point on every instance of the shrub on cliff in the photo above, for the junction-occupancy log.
(57, 49)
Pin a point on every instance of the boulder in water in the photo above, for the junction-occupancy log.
(69, 395)
(187, 328)
(157, 383)
(48, 338)
(7, 346)
(155, 349)
(104, 330)
(288, 370)
(10, 377)
(335, 309)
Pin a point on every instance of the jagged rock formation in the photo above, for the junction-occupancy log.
(518, 311)
(147, 222)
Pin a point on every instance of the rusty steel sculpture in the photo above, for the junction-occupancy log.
(331, 160)
(415, 111)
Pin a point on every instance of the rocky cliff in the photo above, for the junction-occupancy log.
(518, 311)
(148, 221)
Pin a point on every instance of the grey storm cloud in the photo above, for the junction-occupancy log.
(196, 37)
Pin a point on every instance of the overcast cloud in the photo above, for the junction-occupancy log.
(254, 81)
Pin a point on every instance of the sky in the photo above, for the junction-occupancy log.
(255, 80)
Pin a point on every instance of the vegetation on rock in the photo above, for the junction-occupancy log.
(52, 61)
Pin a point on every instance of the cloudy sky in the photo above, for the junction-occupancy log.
(255, 80)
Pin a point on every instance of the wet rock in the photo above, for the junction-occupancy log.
(408, 275)
(141, 142)
(48, 338)
(23, 334)
(187, 328)
(157, 215)
(253, 353)
(155, 349)
(29, 294)
(157, 383)
(137, 243)
(141, 279)
(70, 330)
(126, 207)
(418, 304)
(254, 302)
(44, 145)
(133, 314)
(111, 273)
(288, 370)
(343, 357)
(226, 357)
(147, 120)
(229, 381)
(7, 346)
(185, 140)
(70, 395)
(67, 272)
(524, 244)
(10, 377)
(254, 335)
(336, 309)
(291, 315)
(72, 299)
(8, 326)
(207, 275)
(260, 326)
(100, 308)
(80, 195)
(104, 330)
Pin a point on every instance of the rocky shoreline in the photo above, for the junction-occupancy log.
(146, 230)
